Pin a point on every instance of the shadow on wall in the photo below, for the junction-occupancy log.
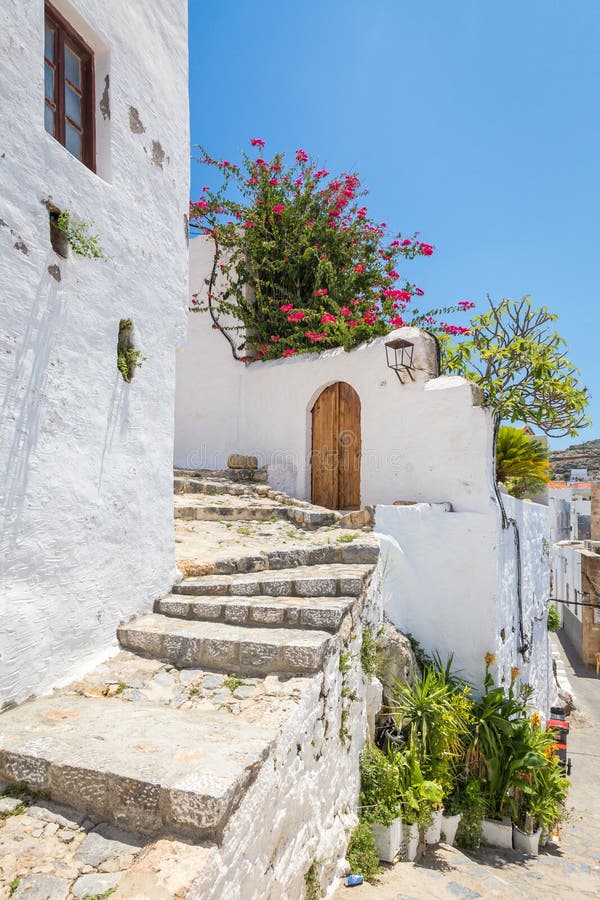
(23, 404)
(118, 419)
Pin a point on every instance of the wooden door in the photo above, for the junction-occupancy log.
(335, 456)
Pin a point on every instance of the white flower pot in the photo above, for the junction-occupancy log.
(410, 841)
(496, 834)
(528, 843)
(449, 828)
(432, 835)
(388, 839)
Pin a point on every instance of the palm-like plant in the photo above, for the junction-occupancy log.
(521, 461)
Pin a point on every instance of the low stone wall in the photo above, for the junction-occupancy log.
(307, 790)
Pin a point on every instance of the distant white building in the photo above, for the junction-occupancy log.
(570, 510)
(94, 124)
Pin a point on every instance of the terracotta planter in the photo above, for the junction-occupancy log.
(527, 843)
(497, 834)
(449, 828)
(388, 839)
(432, 835)
(410, 841)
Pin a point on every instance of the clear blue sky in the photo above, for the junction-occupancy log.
(475, 122)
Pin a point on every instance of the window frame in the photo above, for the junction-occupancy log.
(65, 35)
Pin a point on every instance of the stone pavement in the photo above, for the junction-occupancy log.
(567, 867)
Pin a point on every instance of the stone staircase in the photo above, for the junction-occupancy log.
(170, 733)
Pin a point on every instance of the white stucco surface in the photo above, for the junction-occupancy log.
(86, 535)
(419, 440)
(451, 581)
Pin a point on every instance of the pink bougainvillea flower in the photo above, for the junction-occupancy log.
(301, 156)
(426, 249)
(359, 268)
(289, 352)
(273, 181)
(320, 292)
(275, 167)
(286, 307)
(249, 225)
(275, 338)
(454, 329)
(260, 163)
(314, 336)
(321, 173)
(352, 323)
(278, 209)
(464, 305)
(391, 273)
(310, 224)
(327, 317)
(345, 311)
(257, 142)
(370, 317)
(397, 321)
(418, 291)
(362, 213)
(296, 317)
(406, 242)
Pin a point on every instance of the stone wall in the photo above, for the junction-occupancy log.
(595, 514)
(86, 528)
(590, 582)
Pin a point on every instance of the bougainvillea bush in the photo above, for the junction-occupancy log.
(298, 262)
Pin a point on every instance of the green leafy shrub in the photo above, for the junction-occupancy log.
(553, 618)
(312, 883)
(77, 233)
(298, 265)
(379, 786)
(368, 652)
(362, 855)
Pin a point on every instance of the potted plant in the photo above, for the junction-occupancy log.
(380, 801)
(419, 797)
(451, 816)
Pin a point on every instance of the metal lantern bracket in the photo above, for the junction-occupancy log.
(399, 356)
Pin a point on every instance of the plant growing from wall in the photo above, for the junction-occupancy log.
(312, 883)
(522, 462)
(77, 232)
(520, 362)
(379, 799)
(128, 357)
(298, 264)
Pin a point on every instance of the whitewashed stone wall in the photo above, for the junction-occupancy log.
(419, 440)
(451, 581)
(307, 789)
(86, 533)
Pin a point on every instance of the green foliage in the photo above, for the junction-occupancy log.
(520, 363)
(232, 682)
(368, 652)
(312, 883)
(522, 462)
(379, 786)
(419, 796)
(101, 896)
(128, 360)
(345, 662)
(468, 800)
(80, 240)
(362, 855)
(553, 618)
(298, 264)
(347, 538)
(17, 811)
(13, 885)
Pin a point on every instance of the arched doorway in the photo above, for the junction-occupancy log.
(335, 454)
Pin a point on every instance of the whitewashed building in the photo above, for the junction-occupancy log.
(94, 107)
(467, 570)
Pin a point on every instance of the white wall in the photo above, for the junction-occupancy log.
(429, 440)
(86, 534)
(450, 580)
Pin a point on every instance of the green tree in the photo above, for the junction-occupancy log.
(520, 362)
(521, 461)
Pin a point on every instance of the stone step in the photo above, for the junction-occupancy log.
(142, 767)
(225, 647)
(336, 580)
(200, 507)
(325, 613)
(289, 557)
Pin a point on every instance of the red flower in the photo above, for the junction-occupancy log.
(274, 181)
(352, 323)
(275, 338)
(314, 336)
(286, 307)
(464, 305)
(320, 292)
(301, 156)
(322, 173)
(296, 317)
(278, 209)
(345, 311)
(426, 249)
(249, 225)
(289, 352)
(362, 212)
(359, 268)
(257, 142)
(398, 321)
(327, 317)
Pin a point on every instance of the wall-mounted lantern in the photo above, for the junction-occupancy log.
(399, 356)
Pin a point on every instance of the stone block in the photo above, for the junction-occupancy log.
(95, 884)
(239, 461)
(41, 887)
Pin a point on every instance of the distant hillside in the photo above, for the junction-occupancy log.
(578, 456)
